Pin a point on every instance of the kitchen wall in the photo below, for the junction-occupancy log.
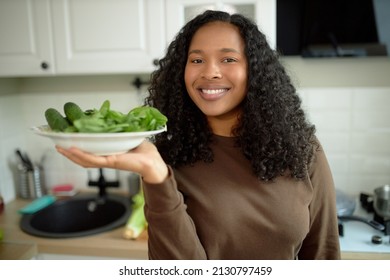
(353, 124)
(350, 112)
(11, 136)
(347, 100)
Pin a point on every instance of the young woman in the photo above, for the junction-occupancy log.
(239, 174)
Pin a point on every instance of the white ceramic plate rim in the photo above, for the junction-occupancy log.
(45, 130)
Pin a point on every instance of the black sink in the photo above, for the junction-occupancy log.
(79, 216)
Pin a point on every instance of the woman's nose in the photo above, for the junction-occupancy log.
(211, 71)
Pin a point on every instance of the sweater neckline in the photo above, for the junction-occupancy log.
(225, 140)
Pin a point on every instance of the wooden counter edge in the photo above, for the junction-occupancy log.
(364, 256)
(17, 250)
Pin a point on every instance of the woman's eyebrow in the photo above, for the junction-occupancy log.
(194, 51)
(225, 50)
(229, 50)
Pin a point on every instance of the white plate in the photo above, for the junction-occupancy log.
(97, 143)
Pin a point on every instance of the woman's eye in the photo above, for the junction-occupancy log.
(196, 61)
(229, 59)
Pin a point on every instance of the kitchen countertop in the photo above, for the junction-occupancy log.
(17, 250)
(17, 244)
(356, 243)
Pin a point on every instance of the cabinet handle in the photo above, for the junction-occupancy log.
(44, 65)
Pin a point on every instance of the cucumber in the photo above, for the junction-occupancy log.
(73, 112)
(55, 120)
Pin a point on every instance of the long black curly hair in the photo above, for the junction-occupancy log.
(272, 132)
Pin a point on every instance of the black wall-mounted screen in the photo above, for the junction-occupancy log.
(323, 28)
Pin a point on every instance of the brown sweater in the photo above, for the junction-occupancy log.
(220, 210)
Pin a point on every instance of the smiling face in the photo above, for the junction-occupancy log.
(216, 74)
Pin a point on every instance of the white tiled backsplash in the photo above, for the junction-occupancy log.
(353, 124)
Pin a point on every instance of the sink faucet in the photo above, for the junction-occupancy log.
(102, 184)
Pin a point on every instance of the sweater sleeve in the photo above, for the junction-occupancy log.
(322, 241)
(172, 233)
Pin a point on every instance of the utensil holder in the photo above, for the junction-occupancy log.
(31, 182)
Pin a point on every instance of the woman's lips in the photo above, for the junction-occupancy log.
(213, 94)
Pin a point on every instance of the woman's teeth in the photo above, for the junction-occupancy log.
(213, 91)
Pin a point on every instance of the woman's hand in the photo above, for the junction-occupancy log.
(144, 159)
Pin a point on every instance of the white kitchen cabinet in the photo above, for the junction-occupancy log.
(101, 36)
(41, 37)
(26, 38)
(263, 12)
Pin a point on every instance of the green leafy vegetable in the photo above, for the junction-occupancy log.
(105, 120)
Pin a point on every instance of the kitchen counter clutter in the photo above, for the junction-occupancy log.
(108, 244)
(355, 244)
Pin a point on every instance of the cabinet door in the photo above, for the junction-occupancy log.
(25, 44)
(263, 12)
(101, 36)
